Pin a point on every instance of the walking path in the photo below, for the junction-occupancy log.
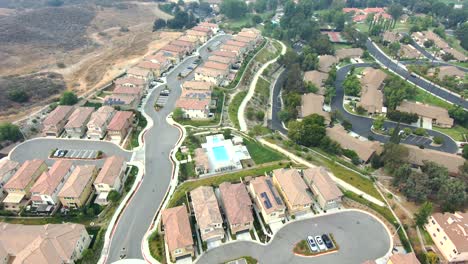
(253, 84)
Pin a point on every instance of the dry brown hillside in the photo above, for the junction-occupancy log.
(85, 44)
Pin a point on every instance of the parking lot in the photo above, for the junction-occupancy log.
(360, 237)
(417, 140)
(75, 154)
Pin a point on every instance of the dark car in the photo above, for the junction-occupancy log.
(326, 239)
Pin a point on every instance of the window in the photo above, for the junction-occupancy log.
(178, 251)
(445, 238)
(438, 230)
(441, 243)
(433, 222)
(455, 251)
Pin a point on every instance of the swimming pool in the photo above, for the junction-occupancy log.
(220, 153)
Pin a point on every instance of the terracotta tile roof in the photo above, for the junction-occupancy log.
(455, 225)
(58, 114)
(201, 158)
(320, 178)
(351, 9)
(390, 36)
(448, 71)
(267, 194)
(174, 48)
(374, 10)
(196, 94)
(220, 59)
(193, 104)
(23, 176)
(79, 117)
(364, 149)
(294, 188)
(237, 203)
(177, 230)
(313, 104)
(49, 180)
(359, 18)
(101, 116)
(197, 85)
(349, 53)
(149, 65)
(409, 52)
(224, 54)
(127, 90)
(188, 39)
(120, 120)
(216, 65)
(137, 71)
(326, 62)
(430, 111)
(158, 58)
(210, 72)
(408, 258)
(196, 33)
(130, 80)
(7, 166)
(451, 161)
(236, 43)
(317, 78)
(110, 170)
(118, 99)
(231, 48)
(77, 181)
(208, 25)
(242, 39)
(247, 34)
(206, 207)
(371, 94)
(41, 244)
(202, 29)
(182, 43)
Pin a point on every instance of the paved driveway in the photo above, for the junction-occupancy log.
(41, 148)
(360, 237)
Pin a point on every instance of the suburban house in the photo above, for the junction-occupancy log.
(249, 41)
(371, 90)
(324, 188)
(173, 57)
(131, 82)
(417, 156)
(400, 258)
(177, 232)
(217, 66)
(7, 169)
(56, 120)
(447, 71)
(205, 29)
(76, 125)
(200, 35)
(125, 102)
(180, 51)
(214, 76)
(316, 78)
(195, 94)
(192, 39)
(109, 178)
(326, 62)
(449, 233)
(20, 183)
(202, 163)
(194, 108)
(421, 37)
(239, 51)
(197, 85)
(249, 33)
(97, 125)
(128, 91)
(187, 45)
(220, 59)
(43, 244)
(409, 52)
(163, 61)
(226, 54)
(119, 126)
(293, 190)
(363, 148)
(352, 53)
(390, 37)
(237, 206)
(267, 199)
(154, 67)
(45, 191)
(79, 186)
(140, 73)
(214, 27)
(432, 114)
(244, 45)
(207, 213)
(313, 104)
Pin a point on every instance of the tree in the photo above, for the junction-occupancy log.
(309, 131)
(438, 140)
(459, 114)
(294, 80)
(178, 114)
(352, 85)
(113, 196)
(9, 132)
(452, 195)
(465, 151)
(227, 133)
(416, 187)
(462, 35)
(205, 7)
(159, 24)
(394, 48)
(394, 156)
(378, 122)
(182, 20)
(18, 96)
(68, 98)
(233, 8)
(256, 19)
(422, 216)
(395, 10)
(403, 117)
(310, 87)
(396, 90)
(322, 45)
(260, 115)
(347, 125)
(428, 43)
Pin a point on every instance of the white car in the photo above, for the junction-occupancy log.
(313, 246)
(320, 243)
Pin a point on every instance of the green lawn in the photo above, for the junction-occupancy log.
(455, 132)
(234, 107)
(261, 154)
(178, 197)
(156, 245)
(427, 98)
(133, 142)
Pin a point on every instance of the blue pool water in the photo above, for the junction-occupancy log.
(220, 153)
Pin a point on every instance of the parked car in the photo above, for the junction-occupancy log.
(320, 243)
(326, 239)
(313, 246)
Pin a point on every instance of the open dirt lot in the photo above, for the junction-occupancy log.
(87, 44)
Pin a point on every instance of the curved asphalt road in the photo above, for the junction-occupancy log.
(159, 141)
(360, 237)
(422, 83)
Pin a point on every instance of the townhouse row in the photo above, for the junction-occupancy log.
(286, 191)
(219, 70)
(45, 189)
(106, 122)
